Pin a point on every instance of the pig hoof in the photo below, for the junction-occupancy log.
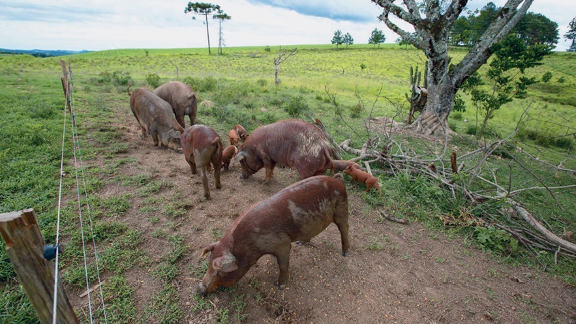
(281, 287)
(345, 254)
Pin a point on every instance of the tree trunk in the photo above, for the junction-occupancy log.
(276, 68)
(207, 34)
(441, 91)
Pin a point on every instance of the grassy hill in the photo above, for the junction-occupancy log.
(241, 86)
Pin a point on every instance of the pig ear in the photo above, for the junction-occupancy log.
(239, 157)
(190, 96)
(225, 263)
(208, 249)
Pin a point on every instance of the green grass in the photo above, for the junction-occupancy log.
(241, 85)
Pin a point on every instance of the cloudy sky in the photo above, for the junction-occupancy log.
(112, 24)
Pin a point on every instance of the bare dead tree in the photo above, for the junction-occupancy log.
(283, 55)
(432, 23)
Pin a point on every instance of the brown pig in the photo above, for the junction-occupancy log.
(182, 99)
(202, 147)
(340, 165)
(241, 132)
(292, 143)
(155, 118)
(297, 213)
(233, 137)
(361, 176)
(227, 155)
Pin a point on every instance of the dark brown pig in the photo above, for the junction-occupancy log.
(155, 118)
(227, 155)
(241, 132)
(292, 143)
(202, 147)
(297, 213)
(340, 165)
(182, 99)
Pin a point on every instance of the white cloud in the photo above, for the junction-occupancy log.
(109, 24)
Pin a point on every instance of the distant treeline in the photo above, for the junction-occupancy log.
(40, 53)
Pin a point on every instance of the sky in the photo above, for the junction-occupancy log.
(113, 24)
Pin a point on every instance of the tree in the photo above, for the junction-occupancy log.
(348, 40)
(571, 35)
(205, 9)
(377, 37)
(283, 55)
(537, 28)
(534, 28)
(338, 39)
(402, 42)
(432, 23)
(221, 16)
(505, 76)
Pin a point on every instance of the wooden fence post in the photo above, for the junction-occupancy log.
(25, 248)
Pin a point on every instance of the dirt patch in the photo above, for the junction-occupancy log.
(395, 273)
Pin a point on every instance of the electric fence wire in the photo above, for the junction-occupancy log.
(58, 218)
(77, 141)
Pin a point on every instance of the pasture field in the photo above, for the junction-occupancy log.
(151, 223)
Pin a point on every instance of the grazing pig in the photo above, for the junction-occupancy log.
(233, 137)
(227, 155)
(202, 146)
(340, 165)
(297, 213)
(155, 118)
(359, 175)
(182, 99)
(241, 132)
(292, 143)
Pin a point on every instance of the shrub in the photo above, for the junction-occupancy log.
(153, 80)
(261, 82)
(295, 106)
(561, 80)
(209, 83)
(362, 66)
(547, 77)
(120, 78)
(356, 110)
(495, 239)
(456, 115)
(267, 48)
(105, 77)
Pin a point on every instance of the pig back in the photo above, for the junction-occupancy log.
(301, 211)
(293, 143)
(152, 112)
(180, 96)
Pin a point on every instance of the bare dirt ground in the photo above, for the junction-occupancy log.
(395, 273)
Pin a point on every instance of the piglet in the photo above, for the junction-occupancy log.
(233, 136)
(202, 147)
(361, 176)
(340, 165)
(227, 155)
(296, 213)
(241, 132)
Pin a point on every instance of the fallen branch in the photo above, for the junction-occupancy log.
(541, 229)
(394, 219)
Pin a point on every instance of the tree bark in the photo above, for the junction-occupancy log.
(207, 34)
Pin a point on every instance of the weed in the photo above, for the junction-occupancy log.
(153, 80)
(495, 239)
(222, 316)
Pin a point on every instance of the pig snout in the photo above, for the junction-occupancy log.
(201, 289)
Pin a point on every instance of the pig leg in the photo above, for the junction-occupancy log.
(269, 170)
(155, 139)
(190, 160)
(205, 182)
(180, 120)
(143, 132)
(217, 163)
(283, 257)
(341, 220)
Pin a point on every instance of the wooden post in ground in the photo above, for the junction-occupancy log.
(25, 248)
